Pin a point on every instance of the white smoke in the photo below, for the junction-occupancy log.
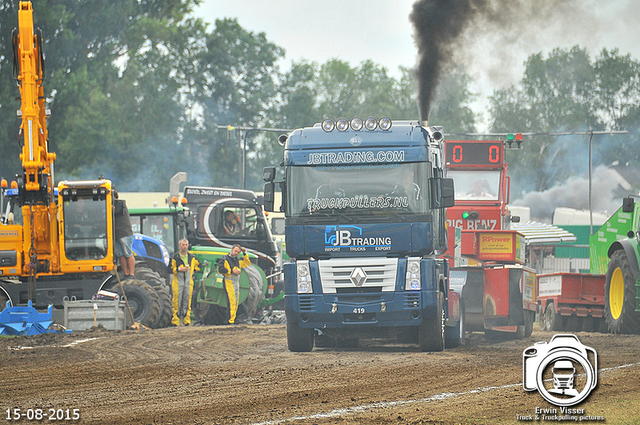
(574, 193)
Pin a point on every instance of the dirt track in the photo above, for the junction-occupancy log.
(245, 375)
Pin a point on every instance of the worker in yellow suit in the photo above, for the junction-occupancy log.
(230, 267)
(183, 265)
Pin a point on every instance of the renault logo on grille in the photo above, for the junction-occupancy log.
(358, 276)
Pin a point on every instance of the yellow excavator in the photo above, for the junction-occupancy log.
(55, 242)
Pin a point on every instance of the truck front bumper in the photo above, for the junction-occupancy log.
(403, 309)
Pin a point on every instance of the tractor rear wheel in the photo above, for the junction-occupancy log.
(142, 299)
(159, 285)
(620, 296)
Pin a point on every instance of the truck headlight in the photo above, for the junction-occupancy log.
(303, 277)
(413, 281)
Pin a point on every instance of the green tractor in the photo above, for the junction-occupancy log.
(615, 250)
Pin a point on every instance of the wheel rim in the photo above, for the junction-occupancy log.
(616, 293)
(549, 318)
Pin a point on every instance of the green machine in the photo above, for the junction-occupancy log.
(615, 251)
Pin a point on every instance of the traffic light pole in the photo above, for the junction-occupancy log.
(243, 132)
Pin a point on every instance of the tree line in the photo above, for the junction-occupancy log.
(138, 93)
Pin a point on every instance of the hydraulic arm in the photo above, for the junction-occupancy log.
(37, 161)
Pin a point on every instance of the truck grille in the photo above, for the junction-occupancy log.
(358, 275)
(412, 300)
(306, 303)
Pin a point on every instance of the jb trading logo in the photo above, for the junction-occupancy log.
(351, 236)
(340, 235)
(564, 371)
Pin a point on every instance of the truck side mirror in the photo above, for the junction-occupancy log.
(269, 174)
(627, 204)
(442, 193)
(269, 195)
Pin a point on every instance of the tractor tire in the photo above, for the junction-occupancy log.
(166, 306)
(620, 296)
(299, 340)
(142, 299)
(552, 318)
(159, 285)
(431, 332)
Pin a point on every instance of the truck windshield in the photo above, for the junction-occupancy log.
(398, 188)
(476, 185)
(156, 226)
(85, 229)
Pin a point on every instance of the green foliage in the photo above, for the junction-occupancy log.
(138, 92)
(563, 93)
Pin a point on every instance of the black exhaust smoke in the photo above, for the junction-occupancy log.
(437, 24)
(479, 31)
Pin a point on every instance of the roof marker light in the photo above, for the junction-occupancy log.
(384, 123)
(342, 124)
(328, 125)
(356, 124)
(370, 123)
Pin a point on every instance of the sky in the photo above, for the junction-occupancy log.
(380, 30)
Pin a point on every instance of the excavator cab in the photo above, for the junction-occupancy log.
(86, 226)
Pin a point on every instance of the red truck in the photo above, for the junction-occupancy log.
(498, 291)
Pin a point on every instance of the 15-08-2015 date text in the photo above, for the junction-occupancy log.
(15, 414)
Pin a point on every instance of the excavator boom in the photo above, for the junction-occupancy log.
(37, 161)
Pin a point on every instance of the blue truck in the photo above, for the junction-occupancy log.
(364, 204)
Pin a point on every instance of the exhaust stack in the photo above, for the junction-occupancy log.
(435, 133)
